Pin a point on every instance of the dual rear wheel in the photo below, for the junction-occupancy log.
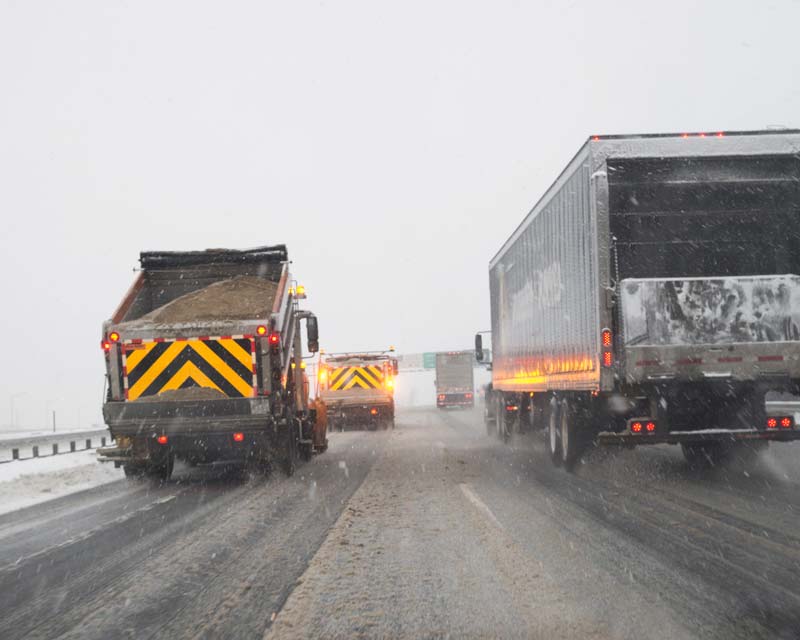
(566, 431)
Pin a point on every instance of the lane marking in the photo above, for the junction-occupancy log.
(480, 505)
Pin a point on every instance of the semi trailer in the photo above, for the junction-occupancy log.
(652, 296)
(203, 362)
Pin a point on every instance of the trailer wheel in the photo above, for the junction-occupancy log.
(554, 437)
(571, 433)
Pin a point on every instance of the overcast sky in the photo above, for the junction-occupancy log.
(392, 146)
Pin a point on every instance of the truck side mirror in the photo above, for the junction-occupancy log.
(479, 347)
(395, 368)
(312, 330)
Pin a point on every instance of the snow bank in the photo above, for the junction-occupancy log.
(28, 482)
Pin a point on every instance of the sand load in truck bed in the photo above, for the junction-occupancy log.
(242, 297)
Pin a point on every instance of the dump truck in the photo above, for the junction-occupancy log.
(204, 363)
(455, 382)
(652, 296)
(357, 389)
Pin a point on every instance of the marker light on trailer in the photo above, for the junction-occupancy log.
(238, 437)
(162, 439)
(261, 330)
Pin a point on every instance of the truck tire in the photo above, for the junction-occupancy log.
(162, 471)
(553, 435)
(489, 419)
(571, 430)
(289, 458)
(134, 472)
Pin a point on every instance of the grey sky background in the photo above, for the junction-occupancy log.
(392, 146)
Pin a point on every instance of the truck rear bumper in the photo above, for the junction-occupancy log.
(187, 417)
(455, 400)
(709, 435)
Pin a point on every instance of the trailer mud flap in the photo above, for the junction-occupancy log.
(225, 364)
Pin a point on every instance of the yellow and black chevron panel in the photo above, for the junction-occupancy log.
(367, 377)
(226, 364)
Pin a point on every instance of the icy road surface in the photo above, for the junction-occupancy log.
(433, 530)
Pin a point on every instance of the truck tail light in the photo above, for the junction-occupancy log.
(772, 423)
(105, 345)
(468, 396)
(113, 336)
(786, 422)
(607, 344)
(274, 338)
(636, 427)
(512, 407)
(373, 411)
(650, 427)
(441, 396)
(162, 439)
(238, 437)
(261, 330)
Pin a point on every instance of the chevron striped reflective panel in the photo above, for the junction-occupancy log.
(366, 377)
(226, 364)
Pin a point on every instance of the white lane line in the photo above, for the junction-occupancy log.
(86, 535)
(480, 505)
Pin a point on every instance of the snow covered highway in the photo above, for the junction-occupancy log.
(431, 530)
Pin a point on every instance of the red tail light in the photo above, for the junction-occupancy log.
(636, 427)
(162, 439)
(238, 437)
(468, 396)
(772, 423)
(511, 407)
(787, 422)
(606, 337)
(650, 427)
(105, 345)
(274, 339)
(373, 411)
(608, 358)
(441, 396)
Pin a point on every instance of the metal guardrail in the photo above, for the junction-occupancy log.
(55, 452)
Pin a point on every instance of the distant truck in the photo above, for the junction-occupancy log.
(357, 389)
(203, 363)
(652, 296)
(455, 383)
